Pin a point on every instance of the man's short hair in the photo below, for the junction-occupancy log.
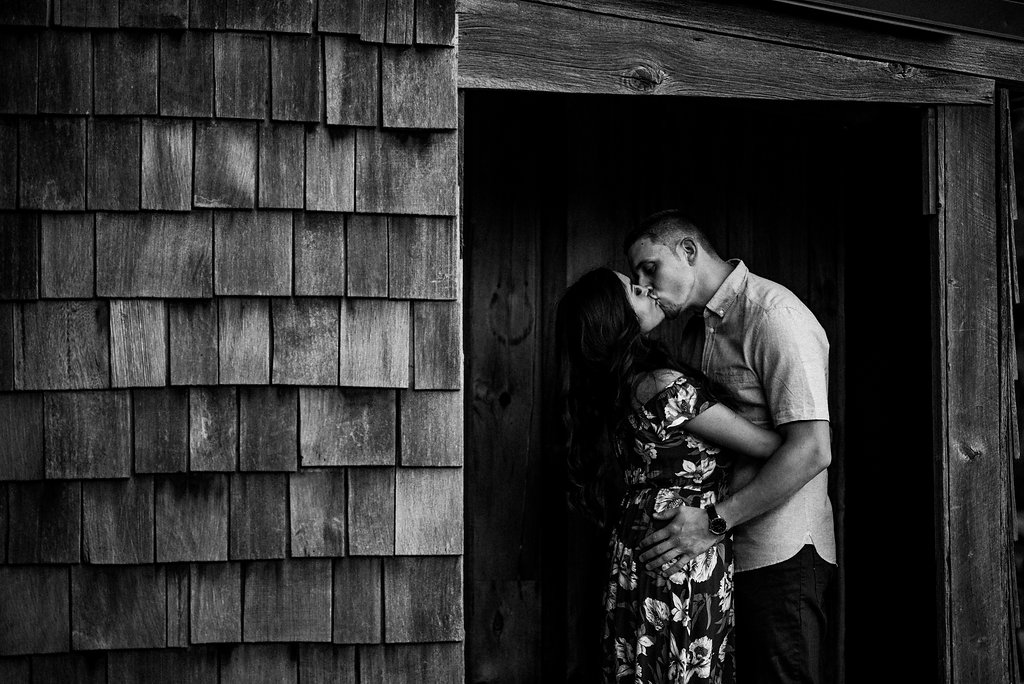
(668, 227)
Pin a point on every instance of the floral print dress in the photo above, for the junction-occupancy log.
(676, 629)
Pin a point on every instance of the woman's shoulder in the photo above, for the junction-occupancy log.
(659, 381)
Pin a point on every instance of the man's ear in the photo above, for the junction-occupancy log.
(687, 249)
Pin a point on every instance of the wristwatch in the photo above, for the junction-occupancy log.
(716, 523)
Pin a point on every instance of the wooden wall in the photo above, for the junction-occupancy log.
(230, 342)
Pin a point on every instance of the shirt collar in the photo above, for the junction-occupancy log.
(727, 293)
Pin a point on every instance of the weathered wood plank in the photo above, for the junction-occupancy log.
(63, 345)
(177, 605)
(91, 13)
(432, 427)
(423, 599)
(399, 25)
(435, 22)
(406, 173)
(19, 255)
(277, 16)
(8, 163)
(330, 168)
(352, 70)
(517, 647)
(38, 597)
(242, 75)
(191, 518)
(296, 78)
(428, 511)
(371, 511)
(366, 244)
(282, 170)
(28, 13)
(244, 347)
(321, 664)
(19, 71)
(213, 428)
(138, 343)
(114, 163)
(262, 664)
(51, 153)
(164, 666)
(317, 506)
(67, 266)
(254, 253)
(347, 427)
(422, 255)
(358, 610)
(319, 254)
(207, 14)
(65, 72)
(161, 430)
(167, 164)
(117, 521)
(338, 16)
(410, 663)
(305, 341)
(122, 606)
(372, 20)
(418, 88)
(225, 164)
(259, 516)
(165, 14)
(216, 603)
(374, 343)
(192, 329)
(287, 601)
(438, 345)
(80, 668)
(15, 670)
(88, 434)
(125, 72)
(10, 331)
(268, 428)
(45, 522)
(3, 524)
(186, 74)
(21, 436)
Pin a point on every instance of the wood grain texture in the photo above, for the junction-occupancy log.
(352, 74)
(91, 13)
(278, 16)
(358, 610)
(418, 88)
(399, 26)
(287, 601)
(262, 664)
(19, 71)
(213, 428)
(347, 427)
(422, 258)
(164, 666)
(122, 606)
(438, 345)
(259, 516)
(51, 153)
(268, 428)
(244, 341)
(435, 22)
(374, 343)
(225, 164)
(366, 245)
(8, 163)
(254, 253)
(167, 164)
(36, 596)
(125, 72)
(423, 599)
(63, 345)
(177, 605)
(186, 74)
(45, 522)
(21, 436)
(432, 428)
(216, 603)
(371, 511)
(138, 343)
(65, 72)
(317, 507)
(319, 254)
(191, 518)
(88, 434)
(296, 77)
(81, 668)
(16, 670)
(164, 14)
(192, 331)
(406, 173)
(207, 14)
(29, 13)
(242, 73)
(322, 664)
(428, 511)
(19, 255)
(305, 341)
(338, 16)
(117, 521)
(372, 20)
(282, 165)
(411, 663)
(330, 168)
(67, 266)
(154, 254)
(10, 330)
(161, 430)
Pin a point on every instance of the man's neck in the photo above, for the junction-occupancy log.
(711, 276)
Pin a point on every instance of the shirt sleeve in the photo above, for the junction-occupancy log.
(683, 400)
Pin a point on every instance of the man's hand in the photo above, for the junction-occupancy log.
(684, 538)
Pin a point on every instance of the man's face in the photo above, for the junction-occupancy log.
(667, 272)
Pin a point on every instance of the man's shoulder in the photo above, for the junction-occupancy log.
(767, 295)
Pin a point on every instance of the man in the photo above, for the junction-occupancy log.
(769, 352)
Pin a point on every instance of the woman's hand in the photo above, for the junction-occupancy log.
(684, 538)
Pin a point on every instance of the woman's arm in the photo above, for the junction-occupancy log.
(723, 427)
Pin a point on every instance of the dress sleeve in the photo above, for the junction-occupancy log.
(681, 401)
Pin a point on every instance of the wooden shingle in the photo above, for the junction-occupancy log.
(254, 253)
(244, 346)
(330, 168)
(268, 428)
(114, 163)
(371, 511)
(278, 16)
(213, 429)
(441, 663)
(406, 173)
(319, 254)
(399, 22)
(438, 345)
(358, 611)
(287, 601)
(167, 164)
(347, 427)
(118, 606)
(418, 88)
(432, 428)
(154, 254)
(3, 524)
(435, 22)
(259, 664)
(282, 165)
(374, 343)
(192, 329)
(80, 668)
(372, 20)
(259, 516)
(15, 670)
(24, 13)
(51, 153)
(207, 14)
(125, 72)
(10, 332)
(305, 341)
(352, 74)
(138, 343)
(296, 78)
(242, 73)
(317, 507)
(117, 521)
(167, 14)
(88, 434)
(191, 518)
(45, 522)
(177, 605)
(338, 16)
(225, 164)
(216, 604)
(428, 511)
(324, 664)
(65, 72)
(63, 345)
(36, 596)
(423, 599)
(90, 13)
(67, 256)
(18, 71)
(422, 258)
(8, 163)
(164, 666)
(186, 74)
(19, 255)
(161, 430)
(21, 436)
(366, 245)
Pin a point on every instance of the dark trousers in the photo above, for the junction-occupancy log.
(781, 621)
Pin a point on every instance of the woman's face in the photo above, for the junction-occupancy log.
(647, 311)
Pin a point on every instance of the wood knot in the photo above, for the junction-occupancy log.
(643, 78)
(901, 71)
(968, 452)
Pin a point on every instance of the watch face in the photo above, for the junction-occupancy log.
(717, 525)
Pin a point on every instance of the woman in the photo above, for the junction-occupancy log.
(674, 444)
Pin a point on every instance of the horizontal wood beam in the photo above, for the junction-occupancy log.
(530, 46)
